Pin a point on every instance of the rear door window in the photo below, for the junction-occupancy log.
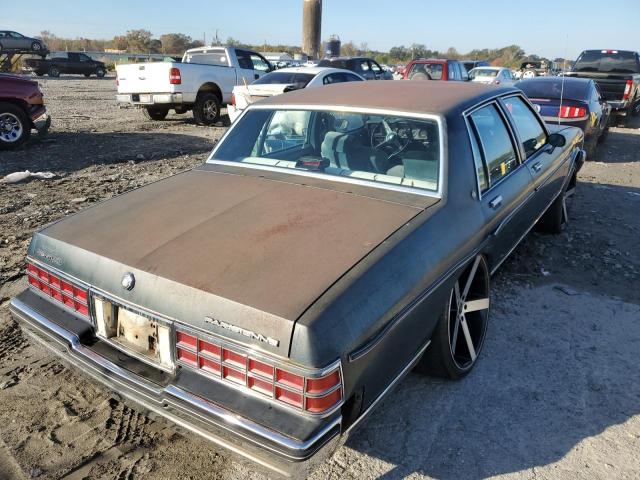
(530, 131)
(495, 142)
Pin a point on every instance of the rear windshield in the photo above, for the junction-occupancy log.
(612, 61)
(483, 72)
(433, 71)
(384, 149)
(545, 88)
(300, 80)
(207, 58)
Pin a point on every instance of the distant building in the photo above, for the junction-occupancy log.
(277, 56)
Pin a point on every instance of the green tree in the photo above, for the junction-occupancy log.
(139, 41)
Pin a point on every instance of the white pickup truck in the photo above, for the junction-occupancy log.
(202, 82)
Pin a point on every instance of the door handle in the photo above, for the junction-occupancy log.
(537, 167)
(496, 202)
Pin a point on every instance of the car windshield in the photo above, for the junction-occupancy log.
(300, 80)
(607, 61)
(571, 89)
(483, 72)
(386, 149)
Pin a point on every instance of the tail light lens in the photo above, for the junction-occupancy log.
(311, 392)
(233, 99)
(117, 81)
(627, 90)
(58, 289)
(572, 112)
(174, 76)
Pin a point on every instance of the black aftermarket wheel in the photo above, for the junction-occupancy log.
(15, 127)
(459, 336)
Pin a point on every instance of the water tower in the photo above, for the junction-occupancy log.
(311, 24)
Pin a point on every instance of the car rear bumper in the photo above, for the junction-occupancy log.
(619, 106)
(150, 98)
(233, 112)
(249, 442)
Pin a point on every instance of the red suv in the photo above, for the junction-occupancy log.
(22, 109)
(436, 69)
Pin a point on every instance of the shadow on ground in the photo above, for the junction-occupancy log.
(52, 153)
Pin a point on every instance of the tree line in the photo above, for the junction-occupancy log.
(142, 41)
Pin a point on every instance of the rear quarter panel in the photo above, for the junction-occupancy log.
(380, 313)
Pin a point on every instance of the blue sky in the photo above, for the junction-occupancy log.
(551, 28)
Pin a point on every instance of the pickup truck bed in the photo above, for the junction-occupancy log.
(202, 82)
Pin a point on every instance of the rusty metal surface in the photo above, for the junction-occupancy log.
(274, 246)
(404, 95)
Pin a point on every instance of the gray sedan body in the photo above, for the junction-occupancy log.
(269, 299)
(10, 40)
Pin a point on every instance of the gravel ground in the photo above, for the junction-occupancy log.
(556, 395)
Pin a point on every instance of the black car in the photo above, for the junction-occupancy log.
(617, 74)
(571, 101)
(66, 62)
(336, 238)
(366, 67)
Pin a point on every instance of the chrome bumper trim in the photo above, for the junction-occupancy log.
(266, 447)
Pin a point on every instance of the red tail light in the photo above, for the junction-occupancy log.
(306, 392)
(627, 90)
(233, 99)
(174, 76)
(58, 289)
(117, 81)
(572, 112)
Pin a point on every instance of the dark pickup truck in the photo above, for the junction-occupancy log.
(66, 62)
(617, 73)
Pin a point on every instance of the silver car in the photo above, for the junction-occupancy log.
(16, 41)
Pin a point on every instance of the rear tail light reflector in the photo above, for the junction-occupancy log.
(233, 99)
(572, 112)
(58, 289)
(311, 393)
(627, 90)
(174, 76)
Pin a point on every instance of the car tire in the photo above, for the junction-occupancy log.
(460, 333)
(87, 75)
(0, 47)
(421, 76)
(556, 218)
(100, 72)
(15, 127)
(529, 73)
(603, 136)
(36, 46)
(155, 113)
(53, 72)
(206, 110)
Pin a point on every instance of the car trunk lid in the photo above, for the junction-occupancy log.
(246, 251)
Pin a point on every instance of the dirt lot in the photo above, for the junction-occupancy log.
(556, 395)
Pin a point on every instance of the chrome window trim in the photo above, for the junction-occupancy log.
(516, 148)
(509, 118)
(357, 181)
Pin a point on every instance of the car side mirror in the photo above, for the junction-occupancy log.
(556, 140)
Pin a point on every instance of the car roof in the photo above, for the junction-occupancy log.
(312, 70)
(436, 98)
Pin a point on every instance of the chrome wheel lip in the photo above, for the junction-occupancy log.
(458, 306)
(11, 128)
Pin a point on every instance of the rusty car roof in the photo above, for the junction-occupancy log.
(431, 97)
